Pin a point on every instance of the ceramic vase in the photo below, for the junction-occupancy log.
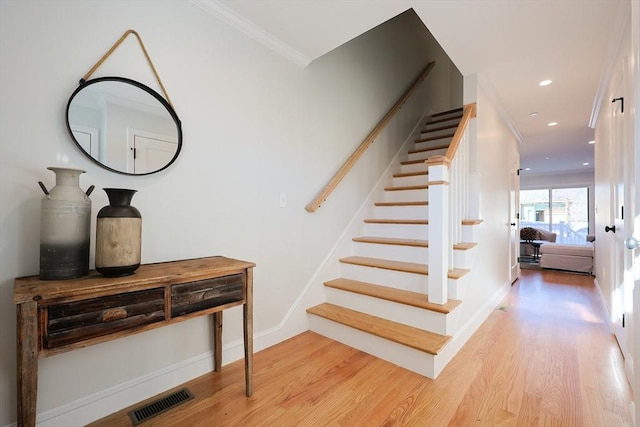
(65, 227)
(118, 235)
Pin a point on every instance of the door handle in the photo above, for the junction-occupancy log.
(513, 223)
(608, 229)
(632, 243)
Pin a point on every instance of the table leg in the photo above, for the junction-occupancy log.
(27, 366)
(217, 341)
(247, 310)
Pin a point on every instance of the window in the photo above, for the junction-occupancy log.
(564, 211)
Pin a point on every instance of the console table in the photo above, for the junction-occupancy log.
(63, 315)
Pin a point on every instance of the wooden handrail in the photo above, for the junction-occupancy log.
(468, 113)
(333, 183)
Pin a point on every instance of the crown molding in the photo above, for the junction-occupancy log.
(616, 37)
(492, 94)
(250, 29)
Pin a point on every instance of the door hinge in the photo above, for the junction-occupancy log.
(623, 319)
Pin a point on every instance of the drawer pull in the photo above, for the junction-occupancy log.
(112, 314)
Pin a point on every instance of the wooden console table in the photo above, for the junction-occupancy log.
(62, 315)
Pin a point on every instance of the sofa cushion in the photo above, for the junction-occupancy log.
(585, 250)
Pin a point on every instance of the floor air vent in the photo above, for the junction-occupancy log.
(159, 406)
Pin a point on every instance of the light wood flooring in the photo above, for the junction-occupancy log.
(544, 357)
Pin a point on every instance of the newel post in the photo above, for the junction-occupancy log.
(438, 258)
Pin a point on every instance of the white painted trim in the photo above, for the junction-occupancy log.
(603, 301)
(491, 93)
(253, 31)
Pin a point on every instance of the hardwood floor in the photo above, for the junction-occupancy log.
(544, 357)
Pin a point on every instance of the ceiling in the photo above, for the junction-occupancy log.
(511, 44)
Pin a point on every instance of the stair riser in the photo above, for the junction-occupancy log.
(410, 180)
(392, 252)
(398, 354)
(430, 144)
(406, 195)
(398, 231)
(457, 115)
(401, 212)
(380, 276)
(456, 288)
(417, 167)
(439, 141)
(400, 313)
(433, 133)
(470, 233)
(463, 259)
(424, 155)
(452, 121)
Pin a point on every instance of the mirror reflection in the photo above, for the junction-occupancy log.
(124, 125)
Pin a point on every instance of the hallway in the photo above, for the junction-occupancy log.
(544, 357)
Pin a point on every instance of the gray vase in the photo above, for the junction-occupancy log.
(65, 227)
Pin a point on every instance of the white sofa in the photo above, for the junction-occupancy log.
(567, 257)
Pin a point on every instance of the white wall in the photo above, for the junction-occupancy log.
(497, 154)
(255, 126)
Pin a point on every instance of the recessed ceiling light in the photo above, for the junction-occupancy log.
(592, 142)
(553, 124)
(533, 114)
(585, 164)
(545, 83)
(547, 158)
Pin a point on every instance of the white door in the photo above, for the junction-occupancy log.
(621, 202)
(87, 139)
(150, 151)
(514, 238)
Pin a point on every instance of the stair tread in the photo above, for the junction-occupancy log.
(446, 119)
(463, 246)
(439, 128)
(406, 174)
(396, 221)
(413, 162)
(414, 299)
(423, 150)
(418, 339)
(407, 267)
(444, 113)
(407, 187)
(392, 241)
(472, 221)
(434, 138)
(416, 203)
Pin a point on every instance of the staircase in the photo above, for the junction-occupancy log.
(380, 303)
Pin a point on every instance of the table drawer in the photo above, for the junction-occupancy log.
(80, 320)
(196, 296)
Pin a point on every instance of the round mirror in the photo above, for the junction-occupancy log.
(124, 126)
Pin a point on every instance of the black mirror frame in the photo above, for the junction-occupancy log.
(156, 95)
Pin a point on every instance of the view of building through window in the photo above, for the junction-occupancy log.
(564, 211)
